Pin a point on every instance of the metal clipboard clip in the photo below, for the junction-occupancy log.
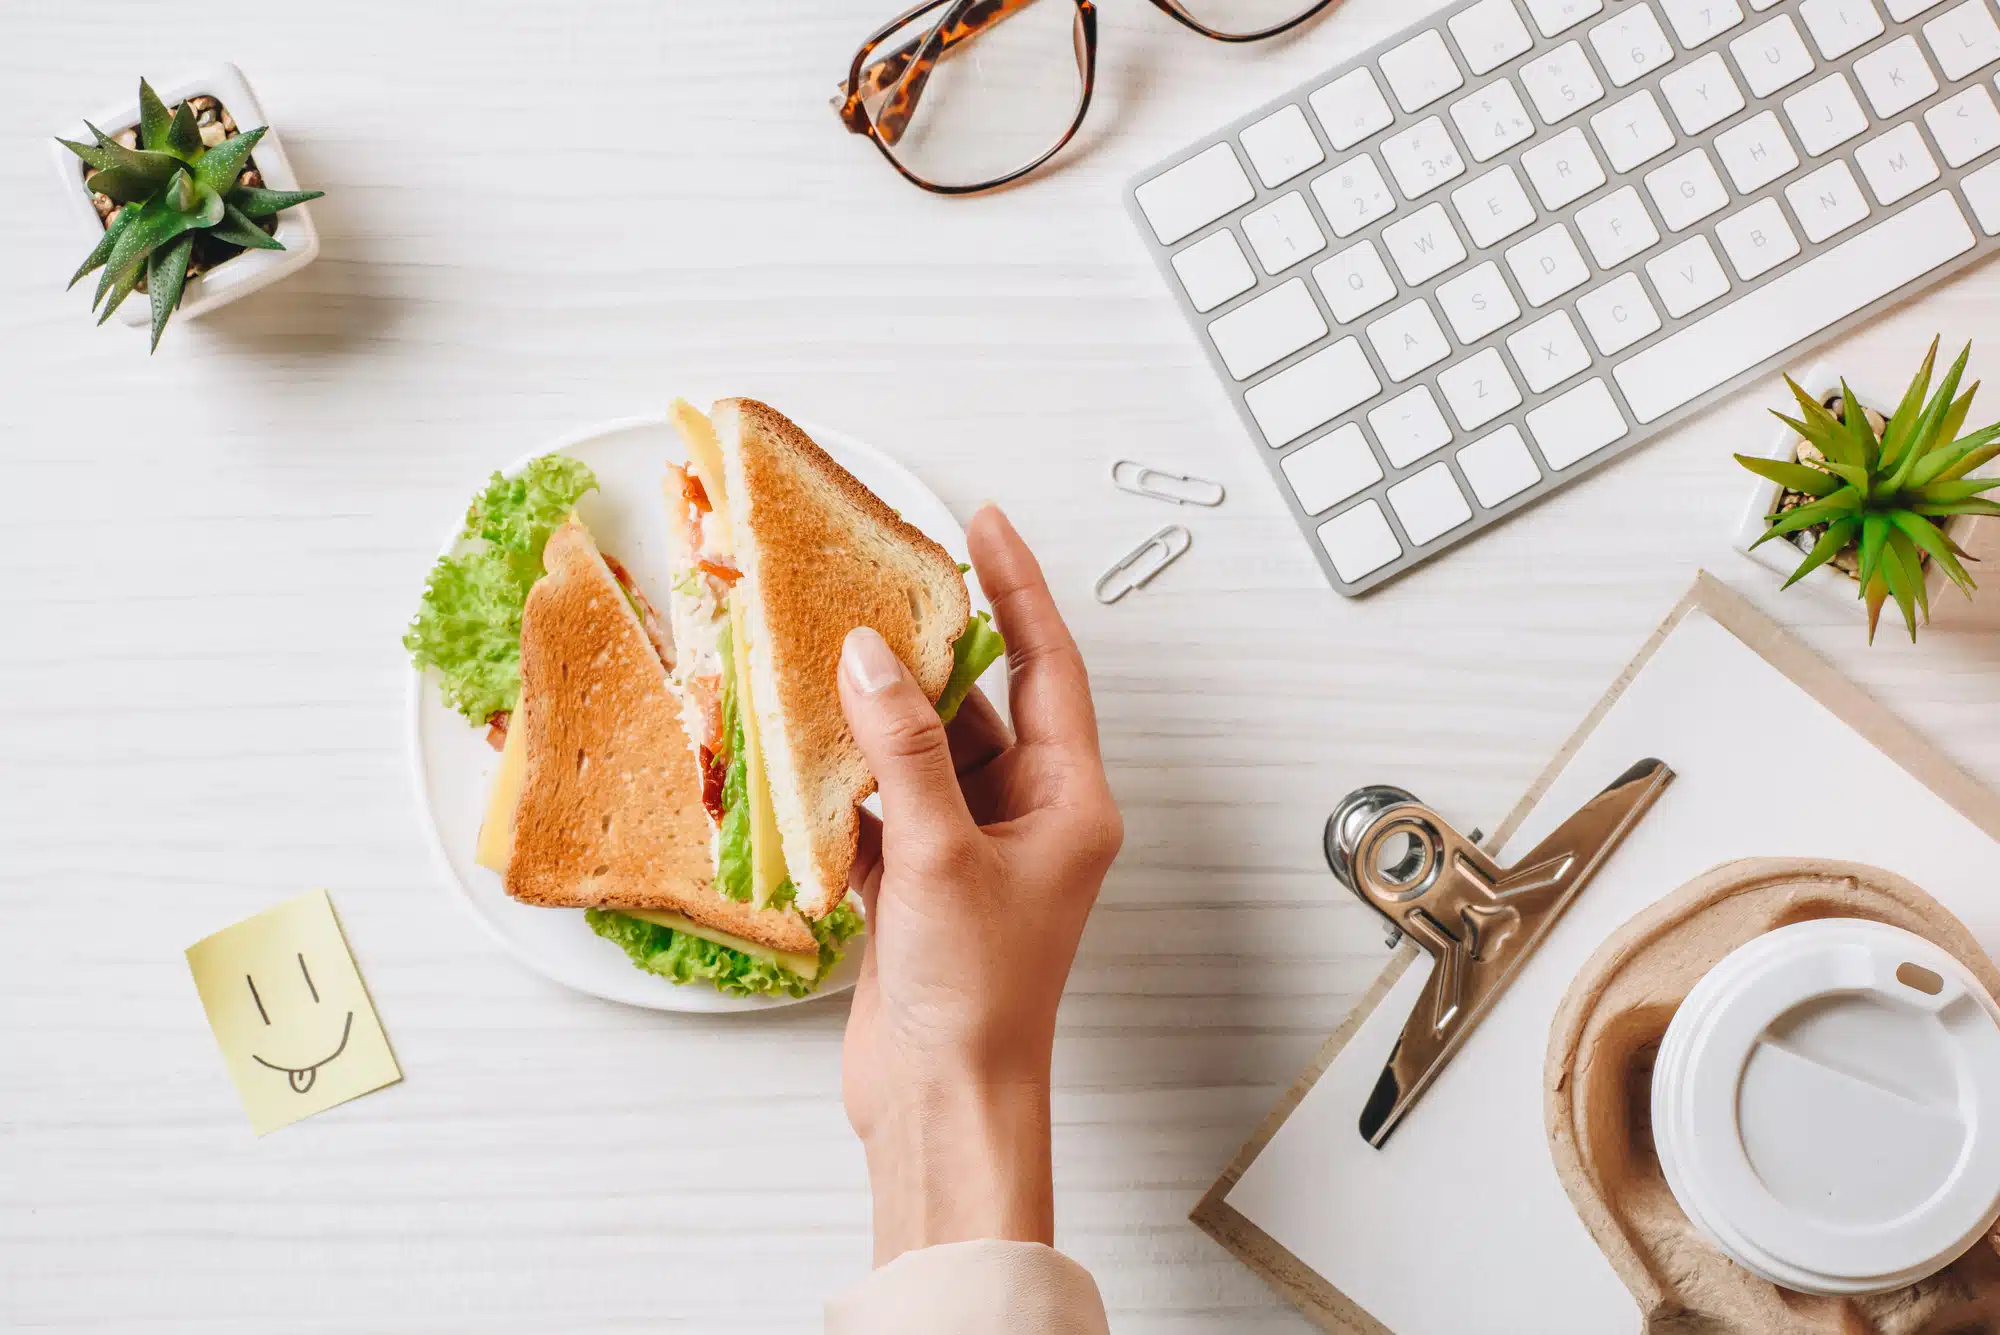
(1478, 921)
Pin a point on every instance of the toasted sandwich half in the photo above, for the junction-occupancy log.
(598, 803)
(780, 552)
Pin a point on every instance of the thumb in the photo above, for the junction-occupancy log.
(901, 737)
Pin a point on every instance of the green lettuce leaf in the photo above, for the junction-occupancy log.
(468, 626)
(732, 863)
(975, 651)
(686, 959)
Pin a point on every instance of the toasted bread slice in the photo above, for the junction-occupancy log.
(820, 555)
(610, 814)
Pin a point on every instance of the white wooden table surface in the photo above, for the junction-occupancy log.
(539, 216)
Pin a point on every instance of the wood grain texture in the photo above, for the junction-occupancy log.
(542, 216)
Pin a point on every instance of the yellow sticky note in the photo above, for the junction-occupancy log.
(290, 1012)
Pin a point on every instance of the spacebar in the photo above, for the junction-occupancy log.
(1821, 292)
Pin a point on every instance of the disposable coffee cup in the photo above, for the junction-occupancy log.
(1826, 1107)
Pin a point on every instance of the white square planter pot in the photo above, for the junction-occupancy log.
(1981, 537)
(235, 277)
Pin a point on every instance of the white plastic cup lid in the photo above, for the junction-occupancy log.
(1826, 1107)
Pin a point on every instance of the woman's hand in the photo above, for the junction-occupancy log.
(977, 881)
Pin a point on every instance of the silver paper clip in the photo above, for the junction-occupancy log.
(1137, 567)
(1479, 921)
(1179, 488)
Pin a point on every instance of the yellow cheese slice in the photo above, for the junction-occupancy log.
(705, 453)
(767, 850)
(496, 832)
(805, 966)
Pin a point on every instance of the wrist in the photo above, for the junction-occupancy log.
(956, 1161)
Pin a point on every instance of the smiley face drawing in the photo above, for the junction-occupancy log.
(299, 1077)
(290, 1012)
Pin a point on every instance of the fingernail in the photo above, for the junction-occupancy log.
(869, 663)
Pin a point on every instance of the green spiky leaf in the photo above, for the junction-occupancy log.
(258, 203)
(105, 244)
(166, 275)
(1839, 536)
(1957, 490)
(1906, 584)
(116, 292)
(1958, 458)
(1905, 416)
(154, 118)
(238, 230)
(1859, 430)
(221, 165)
(184, 135)
(1798, 477)
(1947, 509)
(1826, 510)
(1933, 542)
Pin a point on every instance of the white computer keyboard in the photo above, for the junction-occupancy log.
(1519, 238)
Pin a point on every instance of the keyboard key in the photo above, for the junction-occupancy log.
(1825, 114)
(1491, 120)
(1429, 504)
(1702, 93)
(1771, 55)
(1618, 314)
(1477, 302)
(1353, 195)
(1827, 201)
(1633, 131)
(1407, 340)
(1490, 34)
(1895, 77)
(1183, 199)
(1281, 146)
(1982, 191)
(1547, 265)
(1563, 169)
(1267, 330)
(1554, 16)
(1331, 469)
(1422, 158)
(1561, 83)
(1631, 44)
(1616, 228)
(1696, 21)
(1498, 466)
(1420, 71)
(1904, 10)
(1964, 39)
(1283, 232)
(1897, 164)
(1549, 351)
(1354, 282)
(1761, 5)
(1213, 270)
(1493, 207)
(1479, 389)
(1409, 426)
(1840, 26)
(1351, 108)
(1687, 277)
(1966, 126)
(1756, 152)
(1577, 425)
(1758, 239)
(1686, 190)
(1322, 387)
(1795, 305)
(1423, 245)
(1359, 541)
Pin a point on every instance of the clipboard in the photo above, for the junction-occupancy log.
(1317, 1298)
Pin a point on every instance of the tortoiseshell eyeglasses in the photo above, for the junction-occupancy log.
(966, 95)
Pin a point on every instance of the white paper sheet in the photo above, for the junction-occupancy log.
(1459, 1225)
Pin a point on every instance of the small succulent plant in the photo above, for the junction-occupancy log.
(171, 188)
(1887, 496)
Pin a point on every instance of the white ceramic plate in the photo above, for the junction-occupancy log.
(454, 765)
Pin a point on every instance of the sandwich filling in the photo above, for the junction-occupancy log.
(467, 633)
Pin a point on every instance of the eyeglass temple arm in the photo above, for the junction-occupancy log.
(904, 72)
